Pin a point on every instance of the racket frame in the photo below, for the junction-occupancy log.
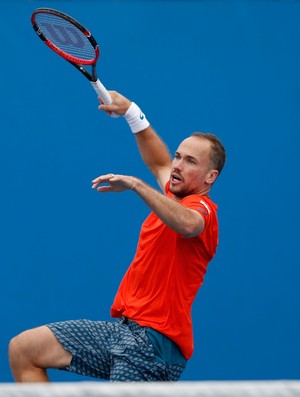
(76, 62)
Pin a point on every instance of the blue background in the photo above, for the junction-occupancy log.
(227, 67)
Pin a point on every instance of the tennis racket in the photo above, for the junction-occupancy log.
(73, 42)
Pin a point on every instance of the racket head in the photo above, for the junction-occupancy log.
(65, 36)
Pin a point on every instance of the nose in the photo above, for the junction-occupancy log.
(178, 164)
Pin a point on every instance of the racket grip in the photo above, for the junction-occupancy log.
(102, 92)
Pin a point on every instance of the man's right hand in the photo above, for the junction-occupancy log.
(119, 104)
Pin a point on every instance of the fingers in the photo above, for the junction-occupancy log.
(119, 105)
(102, 179)
(105, 189)
(108, 109)
(112, 183)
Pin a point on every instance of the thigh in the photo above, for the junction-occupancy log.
(144, 370)
(134, 359)
(132, 356)
(89, 342)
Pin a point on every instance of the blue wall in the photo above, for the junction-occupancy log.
(228, 67)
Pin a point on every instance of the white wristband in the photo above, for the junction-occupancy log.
(136, 119)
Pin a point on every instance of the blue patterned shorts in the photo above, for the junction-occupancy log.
(119, 351)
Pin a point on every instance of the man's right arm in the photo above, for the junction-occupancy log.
(153, 150)
(155, 155)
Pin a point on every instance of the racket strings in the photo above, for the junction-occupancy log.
(66, 36)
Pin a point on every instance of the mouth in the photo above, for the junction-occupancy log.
(175, 178)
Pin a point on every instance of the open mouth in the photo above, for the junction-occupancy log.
(175, 178)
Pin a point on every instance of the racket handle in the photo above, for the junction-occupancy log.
(102, 92)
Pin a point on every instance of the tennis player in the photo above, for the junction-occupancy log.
(150, 337)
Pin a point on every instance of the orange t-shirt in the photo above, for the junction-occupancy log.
(163, 279)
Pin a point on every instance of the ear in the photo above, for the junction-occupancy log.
(212, 175)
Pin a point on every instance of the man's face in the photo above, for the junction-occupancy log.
(190, 168)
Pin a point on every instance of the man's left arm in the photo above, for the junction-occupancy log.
(187, 222)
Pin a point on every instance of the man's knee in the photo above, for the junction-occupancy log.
(18, 347)
(24, 357)
(37, 348)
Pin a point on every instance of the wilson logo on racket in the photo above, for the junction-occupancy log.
(64, 36)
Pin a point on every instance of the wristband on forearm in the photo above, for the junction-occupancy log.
(136, 119)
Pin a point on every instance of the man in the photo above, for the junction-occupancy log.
(151, 340)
